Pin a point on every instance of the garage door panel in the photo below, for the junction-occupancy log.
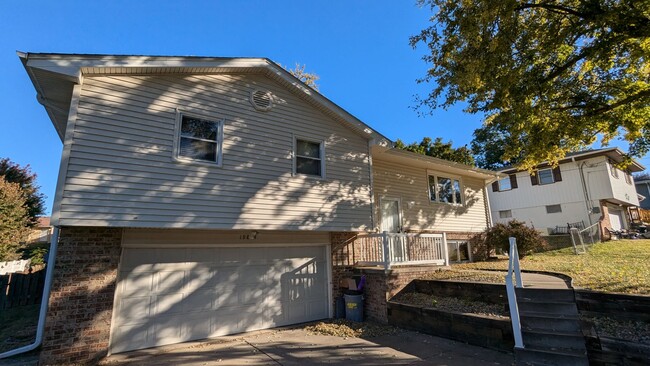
(215, 291)
(168, 304)
(132, 336)
(203, 301)
(135, 283)
(169, 281)
(169, 329)
(133, 309)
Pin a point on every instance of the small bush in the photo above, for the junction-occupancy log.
(480, 247)
(528, 239)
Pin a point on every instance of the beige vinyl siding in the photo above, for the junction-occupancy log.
(410, 185)
(121, 170)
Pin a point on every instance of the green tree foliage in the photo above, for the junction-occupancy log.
(14, 220)
(26, 179)
(439, 149)
(306, 77)
(550, 76)
(528, 239)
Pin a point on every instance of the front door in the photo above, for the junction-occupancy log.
(390, 221)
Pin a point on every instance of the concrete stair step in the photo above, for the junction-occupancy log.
(550, 324)
(538, 294)
(548, 307)
(533, 356)
(554, 341)
(545, 315)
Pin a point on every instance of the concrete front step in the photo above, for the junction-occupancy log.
(539, 294)
(537, 357)
(548, 307)
(554, 341)
(550, 323)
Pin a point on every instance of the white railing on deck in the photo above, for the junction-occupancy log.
(387, 249)
(513, 269)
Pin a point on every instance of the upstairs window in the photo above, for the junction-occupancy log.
(308, 158)
(200, 139)
(445, 189)
(546, 176)
(505, 184)
(613, 169)
(628, 178)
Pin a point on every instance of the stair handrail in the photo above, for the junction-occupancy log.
(513, 269)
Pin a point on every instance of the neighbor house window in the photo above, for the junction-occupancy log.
(613, 169)
(505, 214)
(200, 139)
(504, 184)
(445, 189)
(545, 176)
(459, 251)
(553, 209)
(308, 157)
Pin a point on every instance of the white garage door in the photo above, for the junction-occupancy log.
(175, 295)
(616, 219)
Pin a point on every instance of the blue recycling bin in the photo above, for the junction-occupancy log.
(353, 307)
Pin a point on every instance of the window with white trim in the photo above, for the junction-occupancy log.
(628, 178)
(459, 251)
(199, 139)
(505, 184)
(445, 189)
(613, 169)
(505, 214)
(545, 176)
(308, 157)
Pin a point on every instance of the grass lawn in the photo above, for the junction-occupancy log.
(18, 326)
(621, 266)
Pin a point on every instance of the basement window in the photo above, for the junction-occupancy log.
(459, 251)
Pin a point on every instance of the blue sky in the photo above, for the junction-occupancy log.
(359, 49)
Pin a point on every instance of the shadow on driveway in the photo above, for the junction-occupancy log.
(294, 346)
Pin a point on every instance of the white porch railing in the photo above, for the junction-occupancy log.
(387, 249)
(513, 269)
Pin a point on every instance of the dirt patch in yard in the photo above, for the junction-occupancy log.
(454, 304)
(631, 331)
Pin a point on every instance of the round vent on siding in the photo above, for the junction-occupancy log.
(262, 100)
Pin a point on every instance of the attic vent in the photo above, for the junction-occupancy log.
(262, 100)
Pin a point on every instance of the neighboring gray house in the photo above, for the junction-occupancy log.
(643, 188)
(586, 188)
(200, 197)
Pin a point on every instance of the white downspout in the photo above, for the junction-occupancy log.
(40, 328)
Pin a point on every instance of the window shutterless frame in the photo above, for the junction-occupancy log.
(439, 179)
(218, 140)
(295, 156)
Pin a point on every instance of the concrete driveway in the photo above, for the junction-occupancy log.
(294, 346)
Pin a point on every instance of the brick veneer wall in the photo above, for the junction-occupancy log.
(78, 321)
(382, 285)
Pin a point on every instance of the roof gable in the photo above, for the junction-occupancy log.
(54, 76)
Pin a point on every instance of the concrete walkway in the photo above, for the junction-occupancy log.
(297, 347)
(538, 280)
